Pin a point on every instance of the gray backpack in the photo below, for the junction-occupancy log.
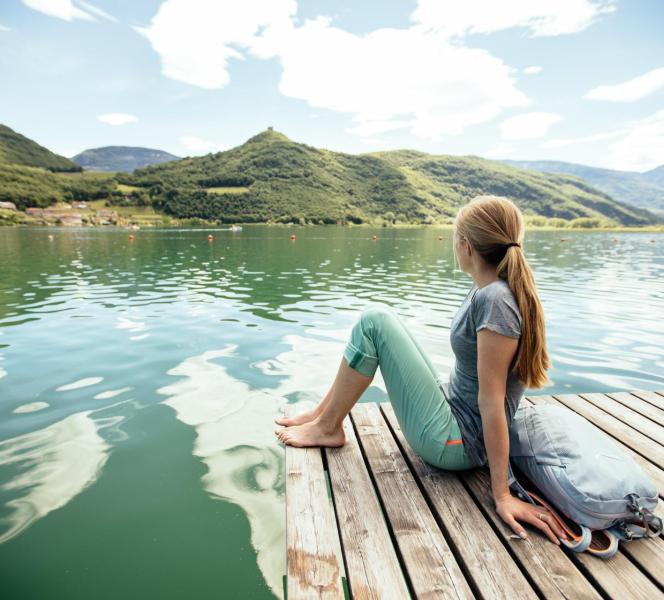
(581, 470)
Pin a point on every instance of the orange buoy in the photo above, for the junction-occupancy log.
(292, 237)
(210, 237)
(131, 237)
(374, 237)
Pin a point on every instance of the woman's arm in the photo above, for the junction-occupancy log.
(494, 355)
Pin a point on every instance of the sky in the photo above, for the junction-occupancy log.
(574, 80)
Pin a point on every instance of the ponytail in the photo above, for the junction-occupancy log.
(494, 227)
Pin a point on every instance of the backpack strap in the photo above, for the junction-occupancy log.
(513, 482)
(650, 522)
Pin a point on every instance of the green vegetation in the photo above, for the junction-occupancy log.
(276, 180)
(227, 190)
(637, 189)
(17, 149)
(272, 179)
(35, 187)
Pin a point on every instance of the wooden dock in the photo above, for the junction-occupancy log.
(373, 520)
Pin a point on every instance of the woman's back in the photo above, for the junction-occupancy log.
(493, 307)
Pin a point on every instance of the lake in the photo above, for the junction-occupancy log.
(139, 381)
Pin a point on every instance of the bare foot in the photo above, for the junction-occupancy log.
(311, 434)
(304, 417)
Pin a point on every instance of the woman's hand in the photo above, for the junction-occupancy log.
(510, 509)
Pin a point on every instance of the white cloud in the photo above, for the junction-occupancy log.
(528, 125)
(117, 118)
(198, 145)
(3, 28)
(588, 139)
(631, 90)
(383, 79)
(416, 78)
(96, 11)
(65, 9)
(390, 78)
(195, 38)
(534, 70)
(541, 17)
(641, 147)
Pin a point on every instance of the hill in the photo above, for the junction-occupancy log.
(33, 176)
(655, 176)
(272, 177)
(645, 190)
(19, 150)
(121, 158)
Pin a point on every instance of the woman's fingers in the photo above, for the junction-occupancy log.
(557, 529)
(516, 527)
(552, 522)
(543, 525)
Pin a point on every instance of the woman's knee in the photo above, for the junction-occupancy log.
(377, 313)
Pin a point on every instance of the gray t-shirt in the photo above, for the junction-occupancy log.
(493, 307)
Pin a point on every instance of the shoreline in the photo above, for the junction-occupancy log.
(186, 224)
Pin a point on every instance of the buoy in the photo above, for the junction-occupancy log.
(615, 239)
(131, 237)
(563, 239)
(210, 237)
(652, 241)
(374, 237)
(50, 237)
(292, 237)
(440, 237)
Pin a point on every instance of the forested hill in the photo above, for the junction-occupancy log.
(19, 150)
(272, 177)
(121, 158)
(645, 190)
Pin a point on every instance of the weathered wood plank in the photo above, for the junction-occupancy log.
(627, 415)
(653, 471)
(629, 436)
(314, 562)
(491, 568)
(553, 572)
(373, 569)
(654, 398)
(649, 554)
(619, 577)
(431, 565)
(636, 403)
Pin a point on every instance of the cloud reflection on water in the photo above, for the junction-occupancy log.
(54, 465)
(235, 427)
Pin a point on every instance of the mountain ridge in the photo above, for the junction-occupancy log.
(121, 158)
(271, 175)
(17, 149)
(641, 189)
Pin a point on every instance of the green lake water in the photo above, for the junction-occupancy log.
(139, 381)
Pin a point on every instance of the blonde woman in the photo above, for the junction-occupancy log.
(498, 339)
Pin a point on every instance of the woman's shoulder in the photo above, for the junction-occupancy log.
(495, 290)
(497, 293)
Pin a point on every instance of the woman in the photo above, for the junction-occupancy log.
(498, 354)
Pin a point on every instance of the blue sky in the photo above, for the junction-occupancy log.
(575, 80)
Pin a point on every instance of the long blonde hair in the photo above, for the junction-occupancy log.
(490, 223)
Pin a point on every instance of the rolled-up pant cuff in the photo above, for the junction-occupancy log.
(363, 363)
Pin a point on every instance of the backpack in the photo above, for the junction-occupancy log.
(581, 471)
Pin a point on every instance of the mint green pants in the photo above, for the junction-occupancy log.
(380, 338)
